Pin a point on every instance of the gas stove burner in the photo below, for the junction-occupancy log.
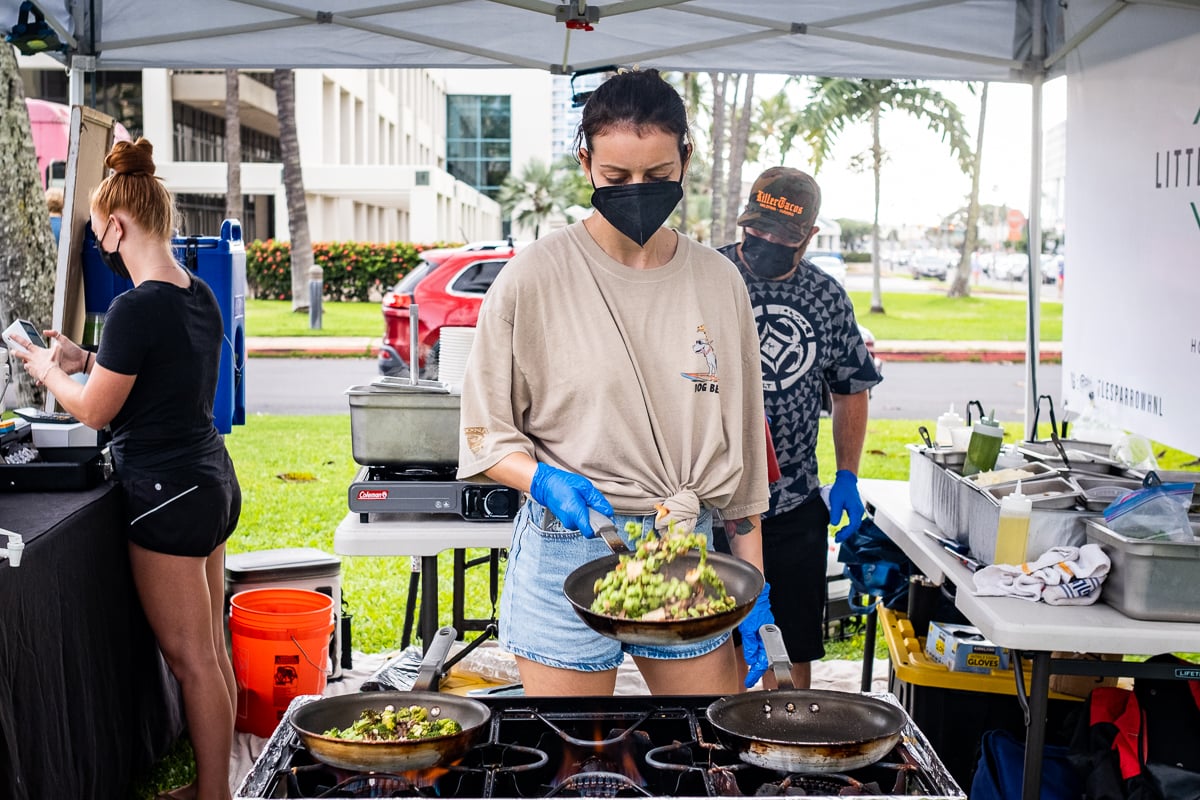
(428, 490)
(613, 747)
(413, 473)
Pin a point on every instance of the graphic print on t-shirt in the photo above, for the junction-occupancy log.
(789, 345)
(703, 347)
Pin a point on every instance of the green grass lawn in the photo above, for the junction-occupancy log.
(276, 318)
(295, 471)
(908, 316)
(934, 316)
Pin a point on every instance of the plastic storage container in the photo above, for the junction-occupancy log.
(1012, 533)
(1153, 580)
(294, 568)
(953, 709)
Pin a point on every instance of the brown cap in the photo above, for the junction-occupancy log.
(783, 201)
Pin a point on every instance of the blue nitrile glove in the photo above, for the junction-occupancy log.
(752, 647)
(843, 497)
(568, 495)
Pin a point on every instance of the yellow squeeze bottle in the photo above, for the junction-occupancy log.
(1012, 535)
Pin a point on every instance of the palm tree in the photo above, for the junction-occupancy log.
(836, 103)
(29, 255)
(720, 82)
(293, 187)
(531, 197)
(961, 286)
(739, 139)
(233, 147)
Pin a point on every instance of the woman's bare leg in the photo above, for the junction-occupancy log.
(538, 679)
(177, 598)
(711, 673)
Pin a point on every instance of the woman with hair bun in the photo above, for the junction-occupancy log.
(153, 379)
(615, 369)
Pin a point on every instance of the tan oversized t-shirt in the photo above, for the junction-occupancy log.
(647, 382)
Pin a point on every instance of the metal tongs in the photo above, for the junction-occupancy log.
(413, 382)
(1058, 445)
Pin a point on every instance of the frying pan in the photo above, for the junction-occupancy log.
(312, 720)
(804, 730)
(741, 580)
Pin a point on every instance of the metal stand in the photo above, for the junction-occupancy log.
(426, 568)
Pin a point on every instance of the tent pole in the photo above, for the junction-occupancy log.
(1033, 274)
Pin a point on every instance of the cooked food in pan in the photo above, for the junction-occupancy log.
(394, 725)
(642, 585)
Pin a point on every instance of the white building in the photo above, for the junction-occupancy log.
(372, 148)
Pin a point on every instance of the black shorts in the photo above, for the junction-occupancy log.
(795, 552)
(181, 519)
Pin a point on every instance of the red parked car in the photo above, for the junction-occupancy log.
(446, 293)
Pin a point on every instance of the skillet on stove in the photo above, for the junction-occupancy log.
(312, 720)
(804, 730)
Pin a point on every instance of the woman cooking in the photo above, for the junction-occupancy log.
(153, 379)
(615, 367)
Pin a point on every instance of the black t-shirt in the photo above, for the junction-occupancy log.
(809, 336)
(170, 339)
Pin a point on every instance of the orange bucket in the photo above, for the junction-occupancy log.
(280, 643)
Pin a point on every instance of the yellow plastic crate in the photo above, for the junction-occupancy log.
(911, 665)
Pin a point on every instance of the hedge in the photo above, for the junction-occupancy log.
(353, 270)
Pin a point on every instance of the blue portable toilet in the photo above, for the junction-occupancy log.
(220, 261)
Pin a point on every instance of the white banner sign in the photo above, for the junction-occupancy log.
(1131, 308)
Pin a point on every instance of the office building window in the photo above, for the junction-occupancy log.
(200, 136)
(479, 140)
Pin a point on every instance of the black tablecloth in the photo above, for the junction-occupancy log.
(86, 701)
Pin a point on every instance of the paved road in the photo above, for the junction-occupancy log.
(911, 390)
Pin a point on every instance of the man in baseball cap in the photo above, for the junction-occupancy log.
(809, 341)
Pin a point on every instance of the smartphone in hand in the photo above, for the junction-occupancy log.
(24, 328)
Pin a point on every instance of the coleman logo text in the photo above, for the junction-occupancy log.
(372, 494)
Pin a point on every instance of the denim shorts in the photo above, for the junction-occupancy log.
(536, 620)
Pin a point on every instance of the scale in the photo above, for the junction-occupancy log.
(429, 490)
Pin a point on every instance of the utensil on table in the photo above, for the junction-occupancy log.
(921, 429)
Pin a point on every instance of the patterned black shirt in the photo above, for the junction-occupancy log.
(808, 335)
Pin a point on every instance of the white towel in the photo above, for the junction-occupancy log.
(1061, 576)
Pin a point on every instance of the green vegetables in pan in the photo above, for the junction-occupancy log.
(390, 724)
(642, 585)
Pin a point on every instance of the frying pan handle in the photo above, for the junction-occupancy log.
(430, 673)
(777, 655)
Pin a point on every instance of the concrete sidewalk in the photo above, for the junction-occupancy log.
(366, 347)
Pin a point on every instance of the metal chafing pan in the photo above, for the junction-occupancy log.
(403, 428)
(1099, 491)
(1054, 492)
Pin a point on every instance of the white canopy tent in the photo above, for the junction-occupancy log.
(992, 40)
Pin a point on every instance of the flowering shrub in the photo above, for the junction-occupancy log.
(353, 271)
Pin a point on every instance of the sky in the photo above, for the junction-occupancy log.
(921, 182)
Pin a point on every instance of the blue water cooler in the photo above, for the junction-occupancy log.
(220, 261)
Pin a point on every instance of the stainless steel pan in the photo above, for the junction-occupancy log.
(804, 730)
(311, 722)
(741, 580)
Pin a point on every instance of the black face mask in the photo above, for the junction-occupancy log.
(113, 260)
(767, 259)
(638, 209)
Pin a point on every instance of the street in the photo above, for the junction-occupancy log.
(910, 389)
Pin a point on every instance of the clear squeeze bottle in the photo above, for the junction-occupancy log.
(1012, 536)
(948, 420)
(984, 445)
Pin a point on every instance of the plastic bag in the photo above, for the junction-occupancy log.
(1156, 512)
(1134, 452)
